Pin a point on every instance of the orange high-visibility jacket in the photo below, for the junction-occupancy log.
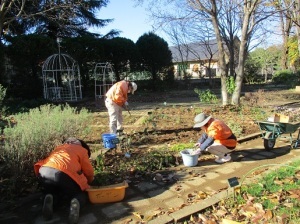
(71, 159)
(118, 92)
(221, 133)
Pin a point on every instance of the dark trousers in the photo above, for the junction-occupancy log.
(61, 186)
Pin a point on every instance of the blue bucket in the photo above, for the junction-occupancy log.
(188, 158)
(109, 140)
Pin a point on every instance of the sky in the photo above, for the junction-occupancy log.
(132, 20)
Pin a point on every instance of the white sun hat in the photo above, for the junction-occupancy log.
(134, 87)
(200, 120)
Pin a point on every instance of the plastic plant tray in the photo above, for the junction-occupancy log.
(107, 194)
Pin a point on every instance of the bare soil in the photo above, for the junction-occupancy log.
(172, 123)
(166, 122)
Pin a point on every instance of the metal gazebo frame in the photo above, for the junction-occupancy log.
(104, 79)
(61, 78)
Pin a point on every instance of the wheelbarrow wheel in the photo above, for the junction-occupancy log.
(269, 143)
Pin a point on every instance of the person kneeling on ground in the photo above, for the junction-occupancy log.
(67, 171)
(217, 138)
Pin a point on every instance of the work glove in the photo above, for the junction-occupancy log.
(197, 145)
(197, 150)
(125, 106)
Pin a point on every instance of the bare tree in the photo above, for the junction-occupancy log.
(230, 20)
(180, 53)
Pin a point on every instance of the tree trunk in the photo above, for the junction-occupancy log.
(241, 61)
(222, 61)
(285, 23)
(298, 37)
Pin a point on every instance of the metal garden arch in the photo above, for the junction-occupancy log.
(61, 78)
(104, 79)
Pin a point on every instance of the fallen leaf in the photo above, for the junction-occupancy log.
(202, 195)
(202, 217)
(137, 215)
(127, 221)
(221, 213)
(289, 205)
(295, 192)
(228, 221)
(268, 215)
(192, 218)
(148, 218)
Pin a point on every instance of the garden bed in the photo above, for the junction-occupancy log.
(155, 136)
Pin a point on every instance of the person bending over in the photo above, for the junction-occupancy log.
(66, 172)
(116, 102)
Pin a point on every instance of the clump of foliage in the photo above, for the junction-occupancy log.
(286, 77)
(206, 96)
(2, 94)
(114, 167)
(181, 146)
(230, 84)
(30, 137)
(235, 127)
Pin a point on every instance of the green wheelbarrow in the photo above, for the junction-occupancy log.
(272, 130)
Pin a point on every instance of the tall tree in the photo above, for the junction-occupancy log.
(267, 60)
(26, 79)
(296, 19)
(54, 17)
(285, 17)
(155, 54)
(86, 50)
(122, 54)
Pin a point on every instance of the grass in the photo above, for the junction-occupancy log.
(181, 146)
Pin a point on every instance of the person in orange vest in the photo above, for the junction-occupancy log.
(116, 102)
(66, 172)
(217, 137)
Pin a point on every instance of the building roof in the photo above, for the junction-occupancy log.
(194, 51)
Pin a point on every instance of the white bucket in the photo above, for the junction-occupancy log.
(189, 158)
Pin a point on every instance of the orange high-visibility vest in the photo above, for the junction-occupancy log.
(118, 92)
(71, 159)
(221, 133)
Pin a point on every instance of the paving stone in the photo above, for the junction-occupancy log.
(160, 194)
(146, 186)
(229, 170)
(88, 218)
(174, 202)
(211, 175)
(178, 188)
(115, 210)
(197, 181)
(130, 192)
(161, 220)
(138, 202)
